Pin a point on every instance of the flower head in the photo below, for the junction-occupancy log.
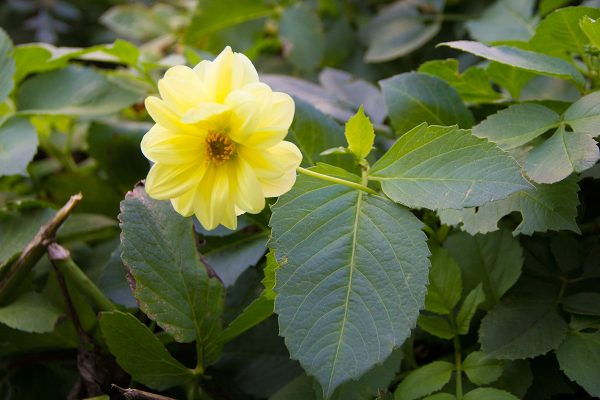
(217, 145)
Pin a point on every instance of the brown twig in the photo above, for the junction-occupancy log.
(20, 268)
(135, 394)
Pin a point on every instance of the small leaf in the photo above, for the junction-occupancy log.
(270, 280)
(523, 328)
(516, 125)
(505, 20)
(301, 34)
(579, 357)
(436, 325)
(584, 115)
(481, 369)
(7, 66)
(562, 154)
(468, 308)
(424, 380)
(30, 312)
(414, 98)
(445, 284)
(585, 303)
(360, 134)
(444, 167)
(256, 312)
(440, 396)
(510, 78)
(18, 145)
(489, 394)
(523, 59)
(140, 353)
(591, 28)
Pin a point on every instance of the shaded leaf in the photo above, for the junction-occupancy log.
(579, 357)
(445, 284)
(489, 393)
(586, 303)
(424, 380)
(18, 145)
(505, 20)
(481, 369)
(30, 312)
(436, 325)
(468, 308)
(7, 66)
(584, 115)
(301, 33)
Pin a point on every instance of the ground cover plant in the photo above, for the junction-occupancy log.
(241, 199)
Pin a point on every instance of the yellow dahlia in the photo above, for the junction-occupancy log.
(217, 145)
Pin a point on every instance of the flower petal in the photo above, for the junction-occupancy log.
(209, 116)
(249, 195)
(181, 88)
(160, 145)
(186, 203)
(163, 115)
(229, 71)
(166, 181)
(285, 158)
(214, 205)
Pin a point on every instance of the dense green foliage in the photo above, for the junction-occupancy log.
(458, 259)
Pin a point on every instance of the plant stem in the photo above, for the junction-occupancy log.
(458, 362)
(333, 179)
(61, 259)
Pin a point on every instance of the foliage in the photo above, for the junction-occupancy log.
(441, 241)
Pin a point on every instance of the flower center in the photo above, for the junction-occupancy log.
(219, 147)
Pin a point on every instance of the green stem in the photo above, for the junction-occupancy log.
(333, 179)
(60, 257)
(458, 362)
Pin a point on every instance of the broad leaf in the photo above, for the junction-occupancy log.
(30, 312)
(579, 357)
(494, 259)
(481, 369)
(488, 394)
(516, 125)
(527, 60)
(445, 284)
(562, 154)
(352, 276)
(523, 328)
(301, 34)
(546, 207)
(360, 134)
(445, 167)
(424, 380)
(398, 29)
(414, 98)
(585, 303)
(559, 32)
(591, 28)
(7, 66)
(440, 396)
(511, 78)
(73, 91)
(505, 20)
(584, 115)
(140, 353)
(18, 145)
(468, 308)
(171, 284)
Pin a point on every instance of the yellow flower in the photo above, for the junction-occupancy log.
(218, 143)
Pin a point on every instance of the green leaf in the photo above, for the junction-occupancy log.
(523, 328)
(74, 91)
(591, 28)
(516, 125)
(424, 380)
(212, 16)
(474, 299)
(473, 85)
(561, 155)
(547, 6)
(256, 312)
(171, 284)
(301, 34)
(585, 303)
(352, 276)
(505, 20)
(546, 207)
(445, 284)
(584, 115)
(360, 134)
(7, 66)
(516, 378)
(231, 255)
(18, 145)
(138, 22)
(269, 280)
(30, 312)
(481, 369)
(510, 78)
(527, 60)
(436, 325)
(494, 260)
(398, 29)
(446, 167)
(140, 353)
(440, 396)
(489, 394)
(414, 98)
(559, 32)
(579, 357)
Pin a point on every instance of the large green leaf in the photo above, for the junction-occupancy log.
(140, 353)
(505, 20)
(527, 60)
(171, 284)
(591, 28)
(30, 312)
(481, 369)
(489, 394)
(352, 276)
(494, 259)
(559, 32)
(445, 284)
(74, 91)
(424, 380)
(7, 66)
(545, 207)
(414, 98)
(579, 357)
(301, 33)
(521, 328)
(446, 167)
(585, 303)
(584, 115)
(399, 29)
(562, 154)
(18, 145)
(516, 125)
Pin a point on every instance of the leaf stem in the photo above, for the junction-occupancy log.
(333, 179)
(458, 362)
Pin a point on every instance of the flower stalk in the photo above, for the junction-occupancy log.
(333, 179)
